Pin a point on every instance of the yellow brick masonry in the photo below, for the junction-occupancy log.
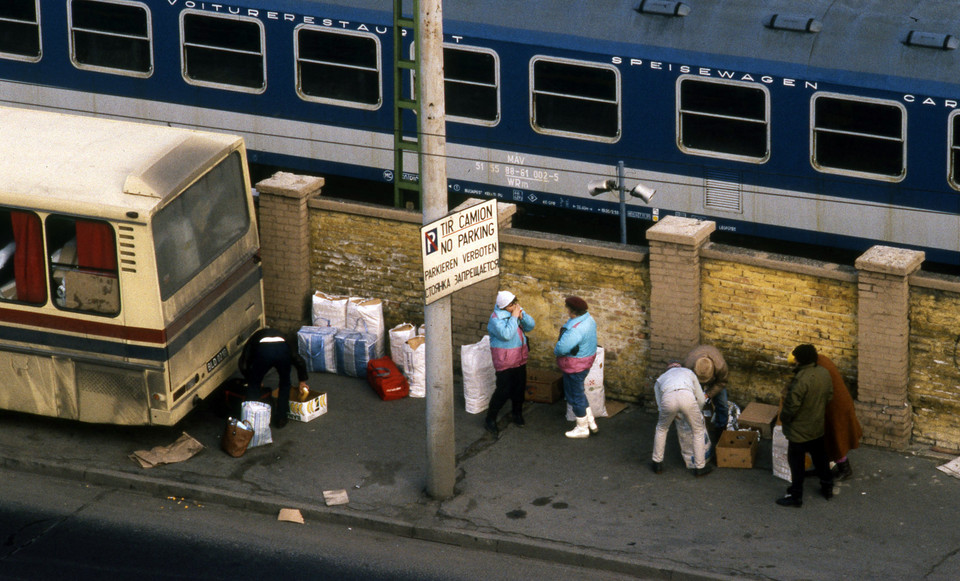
(756, 315)
(934, 386)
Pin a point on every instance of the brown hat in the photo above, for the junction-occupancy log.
(704, 369)
(576, 303)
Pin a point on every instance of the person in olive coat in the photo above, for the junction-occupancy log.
(803, 416)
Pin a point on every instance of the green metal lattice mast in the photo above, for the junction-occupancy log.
(405, 181)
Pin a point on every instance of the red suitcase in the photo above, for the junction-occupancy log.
(386, 379)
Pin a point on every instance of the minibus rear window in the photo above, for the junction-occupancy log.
(200, 224)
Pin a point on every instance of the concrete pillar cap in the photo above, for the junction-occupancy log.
(685, 231)
(889, 260)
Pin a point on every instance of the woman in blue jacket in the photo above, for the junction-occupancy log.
(575, 350)
(507, 328)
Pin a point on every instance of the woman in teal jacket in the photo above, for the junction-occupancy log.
(576, 349)
(507, 328)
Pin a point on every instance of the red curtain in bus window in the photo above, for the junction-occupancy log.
(95, 247)
(28, 258)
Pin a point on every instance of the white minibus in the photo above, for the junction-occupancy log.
(129, 266)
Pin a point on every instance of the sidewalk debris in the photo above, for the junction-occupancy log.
(952, 467)
(334, 497)
(183, 449)
(290, 515)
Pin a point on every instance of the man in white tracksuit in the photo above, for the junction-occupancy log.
(678, 392)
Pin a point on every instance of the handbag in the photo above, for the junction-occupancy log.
(236, 437)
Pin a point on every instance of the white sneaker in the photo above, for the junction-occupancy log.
(581, 431)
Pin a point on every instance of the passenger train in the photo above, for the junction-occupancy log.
(834, 122)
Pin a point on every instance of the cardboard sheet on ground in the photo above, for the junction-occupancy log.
(334, 497)
(952, 467)
(183, 449)
(290, 515)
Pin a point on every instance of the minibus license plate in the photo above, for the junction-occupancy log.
(217, 359)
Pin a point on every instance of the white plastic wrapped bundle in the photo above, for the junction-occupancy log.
(354, 350)
(479, 376)
(329, 310)
(316, 347)
(781, 468)
(367, 315)
(415, 365)
(257, 414)
(593, 387)
(398, 336)
(685, 436)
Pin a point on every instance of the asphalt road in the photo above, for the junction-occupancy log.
(59, 529)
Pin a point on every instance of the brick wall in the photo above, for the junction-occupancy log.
(935, 362)
(757, 307)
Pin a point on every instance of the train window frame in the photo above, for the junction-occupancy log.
(533, 92)
(953, 150)
(184, 14)
(496, 84)
(36, 23)
(766, 122)
(328, 100)
(106, 69)
(857, 99)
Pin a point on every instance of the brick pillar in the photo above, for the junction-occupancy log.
(285, 248)
(675, 245)
(883, 364)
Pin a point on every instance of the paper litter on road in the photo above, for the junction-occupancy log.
(183, 449)
(952, 467)
(333, 497)
(290, 515)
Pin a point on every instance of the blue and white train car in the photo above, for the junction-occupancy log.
(832, 122)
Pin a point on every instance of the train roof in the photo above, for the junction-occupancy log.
(915, 39)
(99, 167)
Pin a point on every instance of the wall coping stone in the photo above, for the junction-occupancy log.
(782, 262)
(505, 211)
(290, 185)
(582, 246)
(889, 260)
(685, 231)
(935, 281)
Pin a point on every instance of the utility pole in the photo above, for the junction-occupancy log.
(441, 444)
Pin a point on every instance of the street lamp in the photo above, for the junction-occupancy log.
(641, 191)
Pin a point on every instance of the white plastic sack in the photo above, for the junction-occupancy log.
(366, 315)
(316, 347)
(329, 310)
(685, 436)
(257, 414)
(354, 350)
(781, 467)
(415, 365)
(398, 336)
(479, 376)
(593, 387)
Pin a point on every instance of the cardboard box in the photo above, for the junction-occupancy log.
(737, 449)
(759, 416)
(544, 385)
(304, 411)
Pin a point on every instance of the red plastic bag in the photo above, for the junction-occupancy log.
(386, 379)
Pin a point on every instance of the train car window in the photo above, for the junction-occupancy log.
(225, 52)
(111, 36)
(953, 172)
(727, 119)
(575, 99)
(471, 85)
(20, 30)
(22, 277)
(83, 265)
(200, 224)
(338, 67)
(858, 136)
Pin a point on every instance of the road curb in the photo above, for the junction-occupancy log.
(538, 549)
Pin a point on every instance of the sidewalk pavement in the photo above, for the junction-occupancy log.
(535, 493)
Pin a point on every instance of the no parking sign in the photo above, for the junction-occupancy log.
(459, 250)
